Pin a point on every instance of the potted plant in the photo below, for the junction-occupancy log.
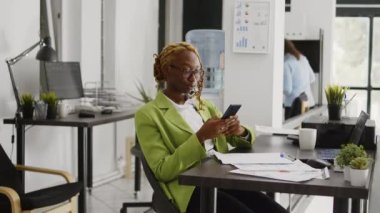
(335, 95)
(359, 171)
(145, 98)
(51, 99)
(347, 153)
(27, 105)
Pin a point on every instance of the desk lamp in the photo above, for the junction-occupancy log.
(46, 53)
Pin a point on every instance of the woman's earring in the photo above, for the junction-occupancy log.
(161, 85)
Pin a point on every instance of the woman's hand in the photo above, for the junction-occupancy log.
(233, 127)
(211, 129)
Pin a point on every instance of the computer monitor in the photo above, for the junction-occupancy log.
(63, 78)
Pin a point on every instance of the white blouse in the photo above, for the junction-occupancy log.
(194, 120)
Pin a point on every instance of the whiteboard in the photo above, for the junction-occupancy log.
(251, 26)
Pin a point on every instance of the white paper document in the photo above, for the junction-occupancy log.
(296, 166)
(272, 130)
(295, 172)
(253, 158)
(295, 176)
(278, 166)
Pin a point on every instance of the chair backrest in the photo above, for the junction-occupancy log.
(8, 173)
(299, 105)
(160, 201)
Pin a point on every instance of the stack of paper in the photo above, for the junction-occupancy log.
(253, 158)
(273, 130)
(296, 166)
(271, 165)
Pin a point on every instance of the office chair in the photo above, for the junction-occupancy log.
(14, 200)
(160, 202)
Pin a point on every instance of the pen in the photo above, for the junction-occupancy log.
(284, 155)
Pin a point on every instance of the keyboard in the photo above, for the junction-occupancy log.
(327, 154)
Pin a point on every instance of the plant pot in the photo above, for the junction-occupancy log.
(51, 112)
(335, 112)
(27, 112)
(358, 177)
(346, 173)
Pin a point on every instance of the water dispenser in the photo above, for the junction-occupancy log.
(210, 45)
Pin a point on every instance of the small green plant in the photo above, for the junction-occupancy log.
(349, 152)
(360, 163)
(335, 94)
(27, 100)
(145, 98)
(50, 98)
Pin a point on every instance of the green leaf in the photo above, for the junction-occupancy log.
(50, 98)
(335, 94)
(27, 99)
(360, 163)
(145, 98)
(349, 152)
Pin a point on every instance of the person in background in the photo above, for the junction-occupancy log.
(298, 77)
(179, 128)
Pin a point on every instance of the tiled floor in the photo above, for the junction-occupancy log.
(108, 198)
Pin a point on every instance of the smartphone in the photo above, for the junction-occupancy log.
(231, 110)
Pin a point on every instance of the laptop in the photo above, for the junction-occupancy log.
(63, 78)
(356, 133)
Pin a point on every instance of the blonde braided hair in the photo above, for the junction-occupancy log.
(165, 57)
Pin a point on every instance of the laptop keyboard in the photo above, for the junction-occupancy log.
(327, 154)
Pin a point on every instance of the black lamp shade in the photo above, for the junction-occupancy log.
(46, 53)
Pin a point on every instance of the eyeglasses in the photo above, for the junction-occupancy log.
(186, 73)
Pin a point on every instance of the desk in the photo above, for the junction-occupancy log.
(211, 174)
(84, 126)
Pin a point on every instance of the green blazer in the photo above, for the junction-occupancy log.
(171, 147)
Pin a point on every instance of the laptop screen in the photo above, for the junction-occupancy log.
(358, 129)
(64, 78)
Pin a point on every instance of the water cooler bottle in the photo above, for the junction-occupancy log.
(210, 45)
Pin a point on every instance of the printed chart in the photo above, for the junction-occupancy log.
(251, 26)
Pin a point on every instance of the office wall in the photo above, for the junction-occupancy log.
(136, 40)
(129, 44)
(255, 80)
(81, 35)
(19, 29)
(56, 147)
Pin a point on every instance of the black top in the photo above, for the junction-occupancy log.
(74, 121)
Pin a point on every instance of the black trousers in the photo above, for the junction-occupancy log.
(238, 201)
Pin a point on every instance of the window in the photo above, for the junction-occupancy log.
(375, 107)
(351, 52)
(357, 104)
(356, 58)
(376, 54)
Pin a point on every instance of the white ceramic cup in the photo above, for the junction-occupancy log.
(63, 109)
(307, 138)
